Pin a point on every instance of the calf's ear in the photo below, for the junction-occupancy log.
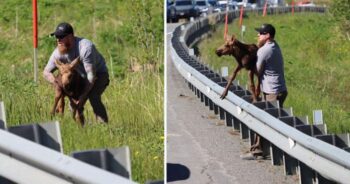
(233, 37)
(75, 62)
(58, 63)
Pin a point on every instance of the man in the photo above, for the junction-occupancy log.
(270, 70)
(92, 67)
(270, 67)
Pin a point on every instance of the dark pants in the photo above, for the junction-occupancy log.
(257, 148)
(95, 94)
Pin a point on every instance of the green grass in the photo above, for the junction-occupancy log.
(124, 32)
(316, 58)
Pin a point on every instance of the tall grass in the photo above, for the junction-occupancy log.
(134, 101)
(316, 62)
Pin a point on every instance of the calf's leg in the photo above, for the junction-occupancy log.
(58, 96)
(60, 105)
(79, 117)
(224, 94)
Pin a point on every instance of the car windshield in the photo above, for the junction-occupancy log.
(183, 3)
(213, 3)
(200, 3)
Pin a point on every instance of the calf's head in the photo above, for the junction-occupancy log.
(228, 48)
(67, 71)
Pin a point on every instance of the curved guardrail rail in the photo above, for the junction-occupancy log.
(32, 153)
(304, 149)
(54, 165)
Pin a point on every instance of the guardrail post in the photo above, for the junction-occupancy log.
(229, 119)
(2, 116)
(193, 88)
(215, 108)
(206, 100)
(189, 85)
(321, 180)
(290, 164)
(266, 145)
(276, 155)
(330, 139)
(211, 104)
(319, 129)
(2, 124)
(343, 141)
(113, 160)
(306, 129)
(236, 124)
(202, 97)
(244, 130)
(222, 113)
(251, 137)
(5, 181)
(46, 134)
(306, 174)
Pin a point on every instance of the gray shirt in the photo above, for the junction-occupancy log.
(89, 56)
(270, 68)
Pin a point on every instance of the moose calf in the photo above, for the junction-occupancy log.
(246, 56)
(69, 83)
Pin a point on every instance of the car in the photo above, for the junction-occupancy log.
(204, 7)
(306, 4)
(171, 12)
(213, 3)
(186, 9)
(222, 5)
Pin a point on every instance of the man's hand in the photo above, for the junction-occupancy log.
(81, 102)
(49, 76)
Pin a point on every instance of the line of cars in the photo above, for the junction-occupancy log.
(177, 9)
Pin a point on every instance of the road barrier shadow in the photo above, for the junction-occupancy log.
(176, 172)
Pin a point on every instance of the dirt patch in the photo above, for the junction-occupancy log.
(220, 123)
(233, 132)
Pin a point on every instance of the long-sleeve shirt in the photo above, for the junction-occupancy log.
(270, 68)
(92, 61)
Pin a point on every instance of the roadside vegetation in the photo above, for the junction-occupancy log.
(129, 34)
(316, 61)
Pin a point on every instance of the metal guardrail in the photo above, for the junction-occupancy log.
(33, 154)
(302, 148)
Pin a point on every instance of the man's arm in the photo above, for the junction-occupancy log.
(49, 68)
(49, 76)
(89, 84)
(89, 57)
(260, 63)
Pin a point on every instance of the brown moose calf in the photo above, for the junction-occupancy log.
(69, 83)
(246, 56)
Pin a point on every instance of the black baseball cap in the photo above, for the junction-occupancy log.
(266, 28)
(63, 29)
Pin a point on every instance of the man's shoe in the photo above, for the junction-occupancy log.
(248, 156)
(257, 152)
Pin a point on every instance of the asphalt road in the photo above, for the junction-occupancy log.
(200, 148)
